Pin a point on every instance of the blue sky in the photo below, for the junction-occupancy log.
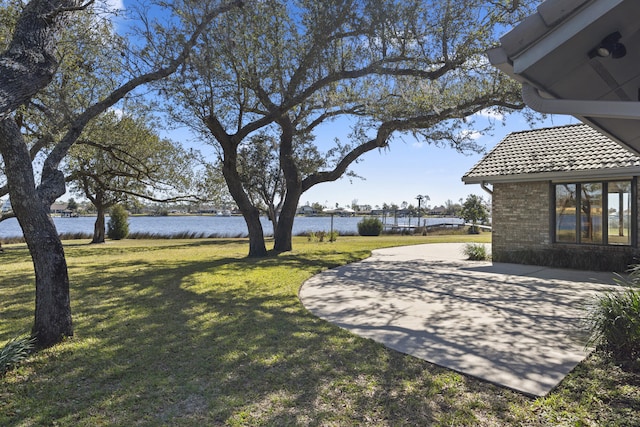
(409, 168)
(405, 170)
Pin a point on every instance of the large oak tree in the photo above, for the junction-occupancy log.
(285, 68)
(27, 66)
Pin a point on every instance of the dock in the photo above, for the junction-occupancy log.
(399, 228)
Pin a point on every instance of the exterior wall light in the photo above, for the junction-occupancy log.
(609, 46)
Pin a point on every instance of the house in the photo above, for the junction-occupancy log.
(438, 210)
(306, 210)
(564, 197)
(57, 208)
(581, 58)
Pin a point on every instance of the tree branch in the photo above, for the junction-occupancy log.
(29, 63)
(62, 148)
(386, 129)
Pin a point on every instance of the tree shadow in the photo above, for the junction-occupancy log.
(207, 342)
(518, 331)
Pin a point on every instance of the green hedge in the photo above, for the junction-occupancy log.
(118, 226)
(370, 227)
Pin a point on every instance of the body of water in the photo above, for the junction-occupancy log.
(229, 226)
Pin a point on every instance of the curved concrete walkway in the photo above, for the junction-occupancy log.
(514, 325)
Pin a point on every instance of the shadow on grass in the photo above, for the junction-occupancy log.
(226, 342)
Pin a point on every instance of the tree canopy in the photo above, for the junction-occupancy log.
(390, 67)
(474, 210)
(254, 78)
(120, 158)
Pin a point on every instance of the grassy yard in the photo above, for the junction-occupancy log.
(192, 333)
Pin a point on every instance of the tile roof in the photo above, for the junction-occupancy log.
(553, 152)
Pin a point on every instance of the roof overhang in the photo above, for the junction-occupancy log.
(554, 51)
(573, 176)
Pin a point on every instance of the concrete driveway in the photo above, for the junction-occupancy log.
(514, 325)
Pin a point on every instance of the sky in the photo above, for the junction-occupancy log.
(409, 169)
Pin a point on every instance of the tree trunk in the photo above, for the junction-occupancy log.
(273, 216)
(99, 226)
(293, 183)
(283, 233)
(31, 207)
(53, 307)
(25, 67)
(257, 246)
(251, 214)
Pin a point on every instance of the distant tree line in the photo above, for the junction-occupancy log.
(449, 208)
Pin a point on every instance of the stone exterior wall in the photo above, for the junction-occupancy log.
(522, 233)
(520, 216)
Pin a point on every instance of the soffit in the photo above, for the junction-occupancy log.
(550, 51)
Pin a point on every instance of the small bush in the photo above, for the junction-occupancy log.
(316, 236)
(586, 259)
(614, 321)
(474, 229)
(615, 325)
(475, 252)
(14, 352)
(370, 227)
(118, 225)
(319, 236)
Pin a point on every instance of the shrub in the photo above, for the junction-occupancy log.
(319, 236)
(370, 227)
(316, 236)
(118, 226)
(474, 229)
(615, 325)
(475, 252)
(614, 320)
(14, 352)
(588, 258)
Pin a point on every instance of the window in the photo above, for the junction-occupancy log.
(594, 213)
(591, 213)
(566, 213)
(619, 208)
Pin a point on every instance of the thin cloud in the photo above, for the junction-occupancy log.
(113, 5)
(491, 113)
(470, 134)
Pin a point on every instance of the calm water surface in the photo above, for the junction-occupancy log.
(230, 226)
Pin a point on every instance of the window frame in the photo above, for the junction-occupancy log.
(605, 209)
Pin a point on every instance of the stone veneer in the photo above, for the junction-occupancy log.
(521, 233)
(520, 214)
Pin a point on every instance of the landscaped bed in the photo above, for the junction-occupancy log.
(191, 332)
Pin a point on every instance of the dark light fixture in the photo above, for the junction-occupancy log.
(609, 46)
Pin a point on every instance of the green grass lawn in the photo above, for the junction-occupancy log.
(191, 332)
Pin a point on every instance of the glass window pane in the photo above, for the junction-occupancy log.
(619, 204)
(591, 213)
(566, 213)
